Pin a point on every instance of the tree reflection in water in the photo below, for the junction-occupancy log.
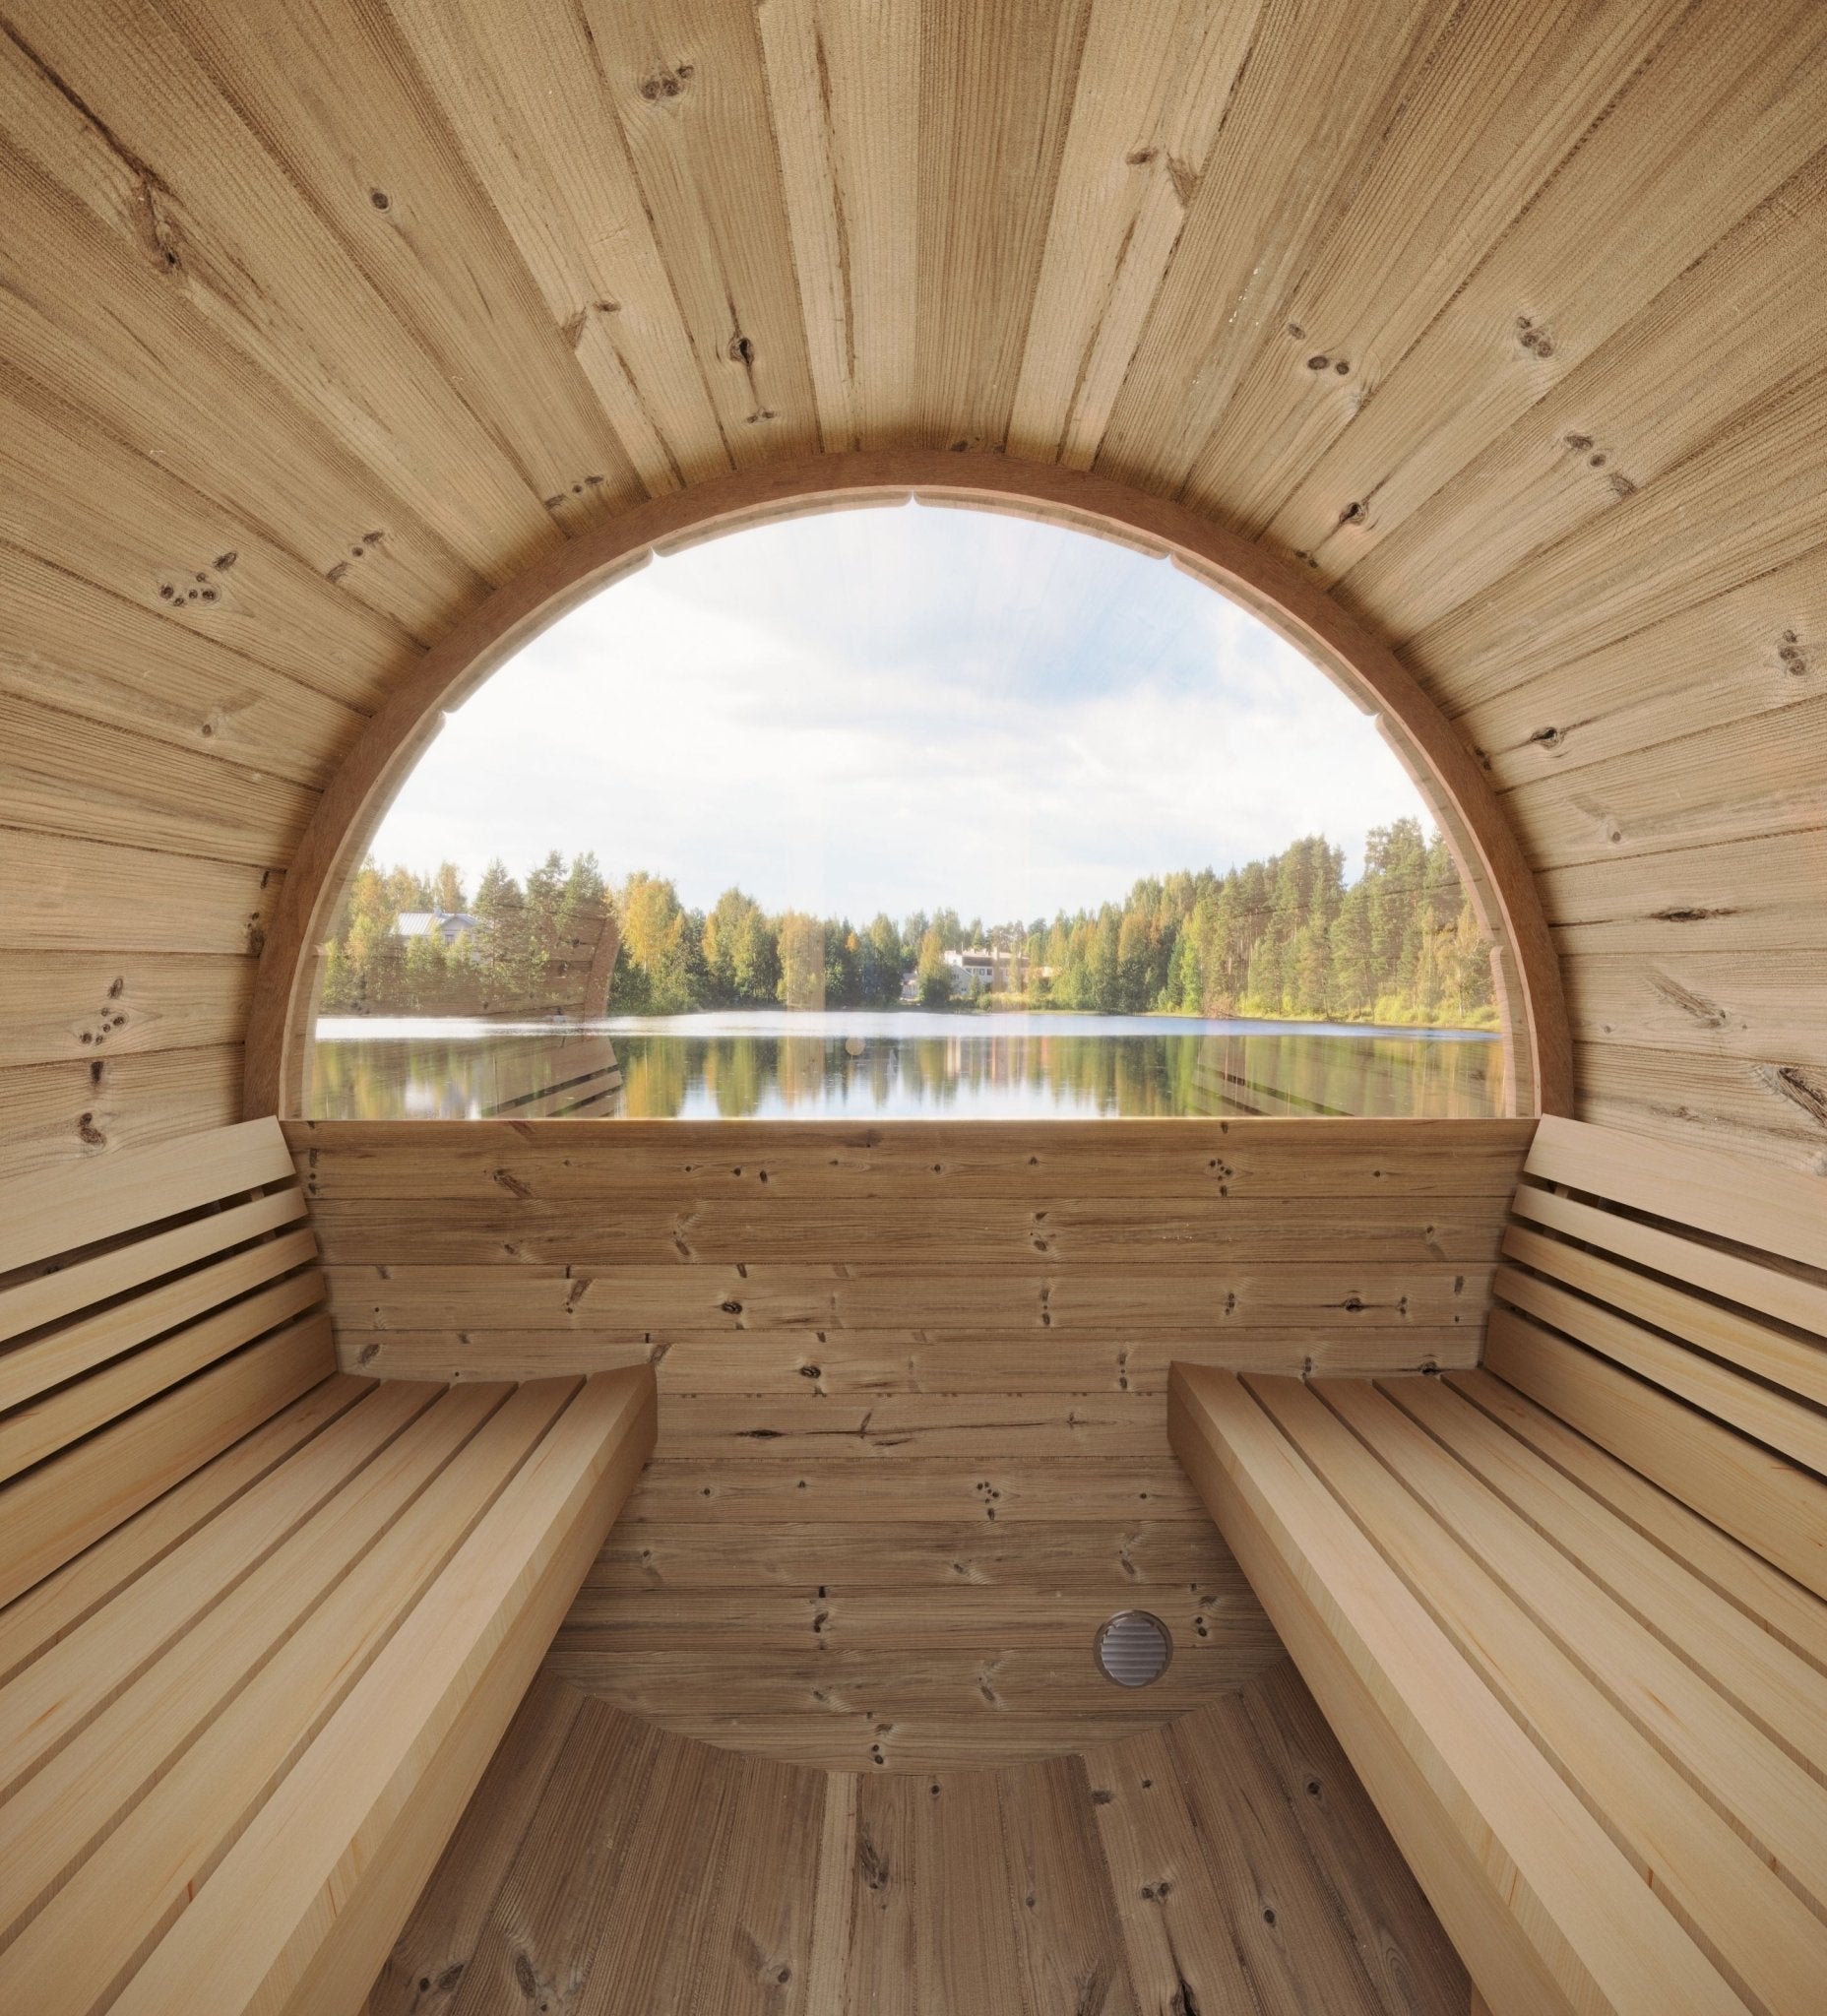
(736, 1066)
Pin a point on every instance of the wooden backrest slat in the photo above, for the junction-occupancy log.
(1770, 1504)
(45, 1297)
(1775, 1210)
(1772, 1292)
(67, 1209)
(1798, 1431)
(125, 1278)
(30, 1435)
(53, 1512)
(28, 1369)
(1675, 1306)
(1754, 1347)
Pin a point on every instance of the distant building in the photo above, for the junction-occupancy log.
(447, 924)
(977, 971)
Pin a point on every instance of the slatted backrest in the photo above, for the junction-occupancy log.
(154, 1307)
(1671, 1306)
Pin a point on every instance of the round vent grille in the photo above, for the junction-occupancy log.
(1134, 1648)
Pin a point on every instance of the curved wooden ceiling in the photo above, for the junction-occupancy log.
(319, 320)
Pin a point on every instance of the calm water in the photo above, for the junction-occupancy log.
(773, 1064)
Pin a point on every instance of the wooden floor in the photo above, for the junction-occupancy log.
(1228, 1862)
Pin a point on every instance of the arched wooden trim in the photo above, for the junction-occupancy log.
(1538, 1052)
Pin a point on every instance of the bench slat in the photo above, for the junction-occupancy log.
(62, 1210)
(1798, 1431)
(1786, 1296)
(1726, 1758)
(48, 1298)
(1783, 1692)
(112, 1649)
(1775, 1210)
(1770, 1598)
(1770, 1504)
(1462, 1557)
(55, 1816)
(281, 1922)
(29, 1434)
(55, 1511)
(91, 1935)
(64, 1599)
(1525, 1881)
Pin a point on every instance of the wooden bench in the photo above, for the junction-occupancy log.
(264, 1622)
(1565, 1612)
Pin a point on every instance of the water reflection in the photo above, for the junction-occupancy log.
(772, 1064)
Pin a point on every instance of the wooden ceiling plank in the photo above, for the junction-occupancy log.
(1734, 88)
(995, 97)
(529, 104)
(1759, 648)
(686, 85)
(387, 178)
(58, 1114)
(257, 259)
(1753, 1005)
(1152, 90)
(142, 535)
(1680, 376)
(1318, 91)
(70, 645)
(70, 1007)
(62, 774)
(844, 91)
(1505, 95)
(1764, 776)
(1762, 492)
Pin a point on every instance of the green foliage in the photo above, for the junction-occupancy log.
(1284, 937)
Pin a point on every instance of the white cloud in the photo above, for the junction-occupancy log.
(900, 709)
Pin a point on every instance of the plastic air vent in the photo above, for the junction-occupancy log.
(1133, 1649)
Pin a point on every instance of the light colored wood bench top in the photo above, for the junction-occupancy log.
(1566, 1610)
(268, 1620)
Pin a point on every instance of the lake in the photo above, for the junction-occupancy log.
(908, 1064)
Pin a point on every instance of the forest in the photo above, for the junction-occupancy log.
(1287, 937)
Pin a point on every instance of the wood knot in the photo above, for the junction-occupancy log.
(664, 82)
(1536, 340)
(380, 199)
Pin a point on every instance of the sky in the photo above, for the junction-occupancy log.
(901, 708)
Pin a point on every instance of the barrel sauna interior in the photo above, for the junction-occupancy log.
(356, 1655)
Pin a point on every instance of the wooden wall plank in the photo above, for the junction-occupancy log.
(1576, 265)
(61, 1115)
(62, 774)
(63, 893)
(1504, 96)
(283, 286)
(68, 1007)
(107, 658)
(1702, 667)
